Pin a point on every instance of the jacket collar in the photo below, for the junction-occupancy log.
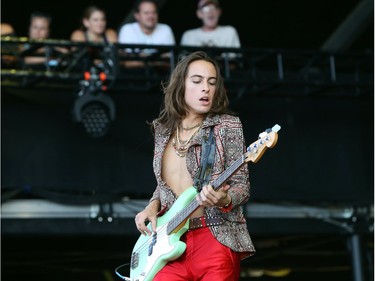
(165, 133)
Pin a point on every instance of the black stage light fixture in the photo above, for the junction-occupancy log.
(93, 107)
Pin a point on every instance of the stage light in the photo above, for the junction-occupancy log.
(93, 107)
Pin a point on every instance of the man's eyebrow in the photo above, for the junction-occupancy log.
(200, 76)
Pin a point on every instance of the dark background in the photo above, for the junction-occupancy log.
(324, 152)
(324, 155)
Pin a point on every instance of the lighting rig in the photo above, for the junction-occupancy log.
(93, 107)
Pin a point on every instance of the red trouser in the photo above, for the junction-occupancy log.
(205, 259)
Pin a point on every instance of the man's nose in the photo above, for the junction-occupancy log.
(206, 87)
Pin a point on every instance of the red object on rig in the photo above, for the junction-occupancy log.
(102, 76)
(87, 75)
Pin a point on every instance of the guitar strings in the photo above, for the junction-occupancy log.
(144, 248)
(160, 234)
(162, 231)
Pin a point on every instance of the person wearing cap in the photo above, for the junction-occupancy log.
(211, 34)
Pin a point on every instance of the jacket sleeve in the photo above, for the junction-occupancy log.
(155, 195)
(233, 148)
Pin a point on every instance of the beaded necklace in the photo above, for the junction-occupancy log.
(190, 128)
(181, 147)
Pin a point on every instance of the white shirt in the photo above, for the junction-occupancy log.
(222, 36)
(131, 33)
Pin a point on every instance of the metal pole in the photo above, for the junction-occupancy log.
(355, 247)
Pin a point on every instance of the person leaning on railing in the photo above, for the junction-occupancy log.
(211, 33)
(8, 59)
(94, 29)
(38, 55)
(146, 30)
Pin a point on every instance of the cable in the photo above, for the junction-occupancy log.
(120, 275)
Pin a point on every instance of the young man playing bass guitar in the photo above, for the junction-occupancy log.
(213, 238)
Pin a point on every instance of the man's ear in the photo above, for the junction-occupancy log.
(85, 23)
(199, 14)
(219, 11)
(136, 16)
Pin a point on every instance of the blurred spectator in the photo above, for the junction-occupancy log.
(146, 30)
(211, 34)
(39, 29)
(94, 29)
(6, 29)
(8, 52)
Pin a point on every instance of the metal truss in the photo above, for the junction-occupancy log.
(246, 70)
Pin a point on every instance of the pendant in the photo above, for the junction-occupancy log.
(180, 150)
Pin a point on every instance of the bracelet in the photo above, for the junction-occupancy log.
(227, 205)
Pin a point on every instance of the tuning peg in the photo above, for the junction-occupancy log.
(276, 128)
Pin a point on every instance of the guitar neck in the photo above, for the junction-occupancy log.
(182, 215)
(228, 173)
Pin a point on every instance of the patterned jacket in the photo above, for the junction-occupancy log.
(230, 146)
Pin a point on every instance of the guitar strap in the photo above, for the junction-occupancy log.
(207, 161)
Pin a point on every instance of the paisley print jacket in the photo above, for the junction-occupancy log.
(230, 146)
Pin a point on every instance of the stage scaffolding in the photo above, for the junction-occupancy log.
(247, 71)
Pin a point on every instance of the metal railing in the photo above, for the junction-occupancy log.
(246, 70)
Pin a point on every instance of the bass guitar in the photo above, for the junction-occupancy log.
(151, 253)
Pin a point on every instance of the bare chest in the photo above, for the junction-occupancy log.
(174, 171)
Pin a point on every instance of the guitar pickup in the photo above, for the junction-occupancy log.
(134, 260)
(152, 244)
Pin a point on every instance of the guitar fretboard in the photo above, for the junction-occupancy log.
(228, 172)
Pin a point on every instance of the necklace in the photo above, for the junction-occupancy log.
(181, 147)
(190, 128)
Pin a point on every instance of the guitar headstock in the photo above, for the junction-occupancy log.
(267, 139)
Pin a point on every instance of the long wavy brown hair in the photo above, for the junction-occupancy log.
(174, 108)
